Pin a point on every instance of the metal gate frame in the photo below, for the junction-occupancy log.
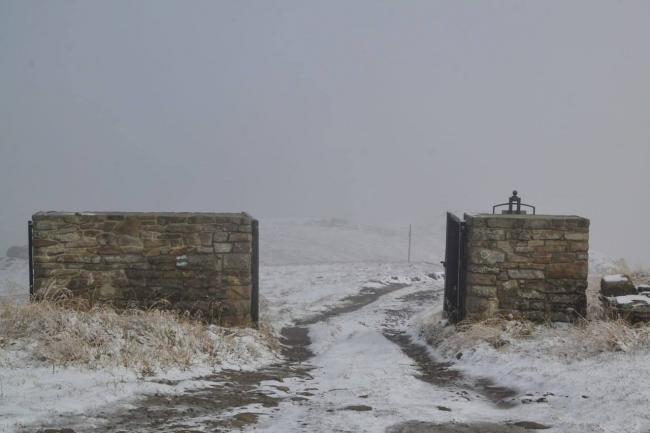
(455, 269)
(255, 270)
(30, 246)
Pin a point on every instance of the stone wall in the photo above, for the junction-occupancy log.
(527, 266)
(204, 263)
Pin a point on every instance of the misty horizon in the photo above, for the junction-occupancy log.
(370, 111)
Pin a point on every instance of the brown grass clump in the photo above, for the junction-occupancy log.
(496, 332)
(54, 331)
(598, 336)
(581, 340)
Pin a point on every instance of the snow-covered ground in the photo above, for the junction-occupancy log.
(35, 389)
(32, 394)
(561, 379)
(361, 380)
(14, 279)
(592, 379)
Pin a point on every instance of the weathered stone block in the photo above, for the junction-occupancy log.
(572, 236)
(551, 246)
(518, 234)
(486, 257)
(219, 236)
(579, 246)
(526, 293)
(576, 270)
(241, 247)
(481, 279)
(240, 237)
(222, 247)
(538, 224)
(506, 246)
(541, 259)
(526, 274)
(237, 261)
(129, 226)
(43, 243)
(517, 258)
(206, 238)
(569, 299)
(45, 225)
(181, 228)
(483, 306)
(482, 291)
(511, 286)
(564, 257)
(617, 285)
(482, 269)
(506, 223)
(546, 234)
(66, 236)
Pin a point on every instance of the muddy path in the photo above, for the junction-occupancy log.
(234, 399)
(295, 339)
(434, 371)
(213, 408)
(483, 427)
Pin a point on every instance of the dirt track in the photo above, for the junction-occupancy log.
(218, 407)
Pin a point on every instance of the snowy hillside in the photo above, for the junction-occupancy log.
(602, 264)
(14, 278)
(319, 241)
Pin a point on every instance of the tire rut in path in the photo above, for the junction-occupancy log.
(436, 372)
(444, 375)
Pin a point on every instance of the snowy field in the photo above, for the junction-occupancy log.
(317, 241)
(14, 279)
(360, 380)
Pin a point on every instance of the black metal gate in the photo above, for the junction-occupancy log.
(30, 250)
(454, 263)
(255, 267)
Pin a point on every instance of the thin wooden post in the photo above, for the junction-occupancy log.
(409, 256)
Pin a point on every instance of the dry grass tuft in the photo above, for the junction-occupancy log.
(581, 340)
(55, 331)
(617, 335)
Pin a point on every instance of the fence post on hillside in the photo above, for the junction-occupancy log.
(409, 255)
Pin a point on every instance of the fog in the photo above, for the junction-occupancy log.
(378, 111)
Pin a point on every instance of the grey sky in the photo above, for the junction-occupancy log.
(382, 110)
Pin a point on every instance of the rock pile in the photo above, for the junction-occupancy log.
(624, 298)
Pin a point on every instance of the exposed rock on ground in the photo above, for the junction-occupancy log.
(617, 285)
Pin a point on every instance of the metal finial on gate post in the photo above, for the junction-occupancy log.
(512, 200)
(514, 205)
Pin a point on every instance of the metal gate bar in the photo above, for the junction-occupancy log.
(255, 269)
(454, 302)
(30, 244)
